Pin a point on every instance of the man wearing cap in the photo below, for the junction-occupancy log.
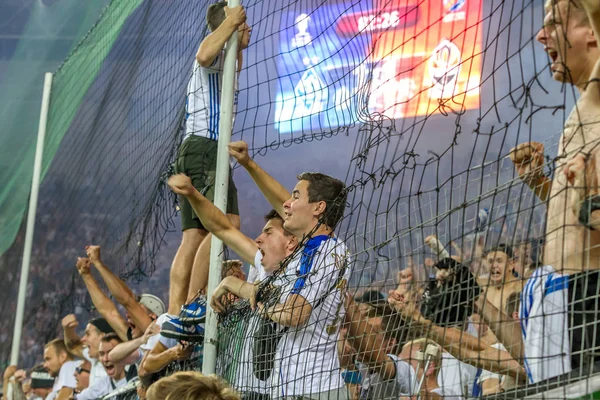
(59, 363)
(41, 381)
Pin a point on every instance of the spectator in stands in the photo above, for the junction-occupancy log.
(190, 385)
(87, 346)
(82, 375)
(197, 156)
(264, 254)
(59, 363)
(569, 35)
(309, 303)
(416, 352)
(12, 388)
(116, 375)
(503, 278)
(376, 345)
(141, 311)
(41, 381)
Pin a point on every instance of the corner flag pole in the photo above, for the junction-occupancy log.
(220, 200)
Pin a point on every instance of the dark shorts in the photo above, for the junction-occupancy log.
(584, 324)
(197, 158)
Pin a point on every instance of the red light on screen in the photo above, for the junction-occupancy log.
(377, 21)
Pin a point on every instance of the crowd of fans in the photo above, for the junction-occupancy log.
(472, 320)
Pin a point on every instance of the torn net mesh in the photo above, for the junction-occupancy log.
(368, 96)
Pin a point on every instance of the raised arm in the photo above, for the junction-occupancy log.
(212, 45)
(529, 163)
(103, 304)
(119, 290)
(507, 330)
(72, 340)
(128, 352)
(214, 220)
(159, 357)
(275, 193)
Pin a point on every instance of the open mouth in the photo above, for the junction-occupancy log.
(110, 368)
(553, 54)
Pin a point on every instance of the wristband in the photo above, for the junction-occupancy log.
(588, 206)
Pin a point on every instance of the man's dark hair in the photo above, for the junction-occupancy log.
(332, 191)
(109, 337)
(275, 215)
(216, 15)
(394, 326)
(506, 249)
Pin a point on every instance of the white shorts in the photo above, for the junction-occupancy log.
(544, 324)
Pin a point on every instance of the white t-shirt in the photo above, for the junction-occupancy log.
(455, 375)
(447, 393)
(244, 378)
(152, 340)
(97, 370)
(65, 378)
(372, 387)
(203, 102)
(101, 388)
(405, 376)
(543, 315)
(306, 360)
(257, 273)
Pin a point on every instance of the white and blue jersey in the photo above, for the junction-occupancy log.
(306, 361)
(544, 324)
(203, 102)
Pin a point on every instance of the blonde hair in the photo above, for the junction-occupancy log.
(422, 344)
(190, 385)
(577, 8)
(59, 347)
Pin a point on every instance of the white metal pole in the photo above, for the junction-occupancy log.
(33, 199)
(220, 200)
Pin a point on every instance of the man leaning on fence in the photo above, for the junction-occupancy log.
(302, 316)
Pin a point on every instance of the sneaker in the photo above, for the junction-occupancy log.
(175, 329)
(193, 313)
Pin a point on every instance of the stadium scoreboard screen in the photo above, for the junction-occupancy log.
(400, 58)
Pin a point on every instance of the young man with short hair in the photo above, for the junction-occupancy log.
(309, 307)
(502, 280)
(59, 363)
(87, 346)
(116, 376)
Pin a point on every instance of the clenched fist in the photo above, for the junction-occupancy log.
(181, 184)
(529, 161)
(239, 151)
(70, 321)
(93, 253)
(83, 265)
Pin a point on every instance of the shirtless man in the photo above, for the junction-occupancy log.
(550, 346)
(502, 281)
(569, 37)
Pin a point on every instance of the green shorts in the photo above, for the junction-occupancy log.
(197, 158)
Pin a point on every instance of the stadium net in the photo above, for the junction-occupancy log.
(416, 106)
